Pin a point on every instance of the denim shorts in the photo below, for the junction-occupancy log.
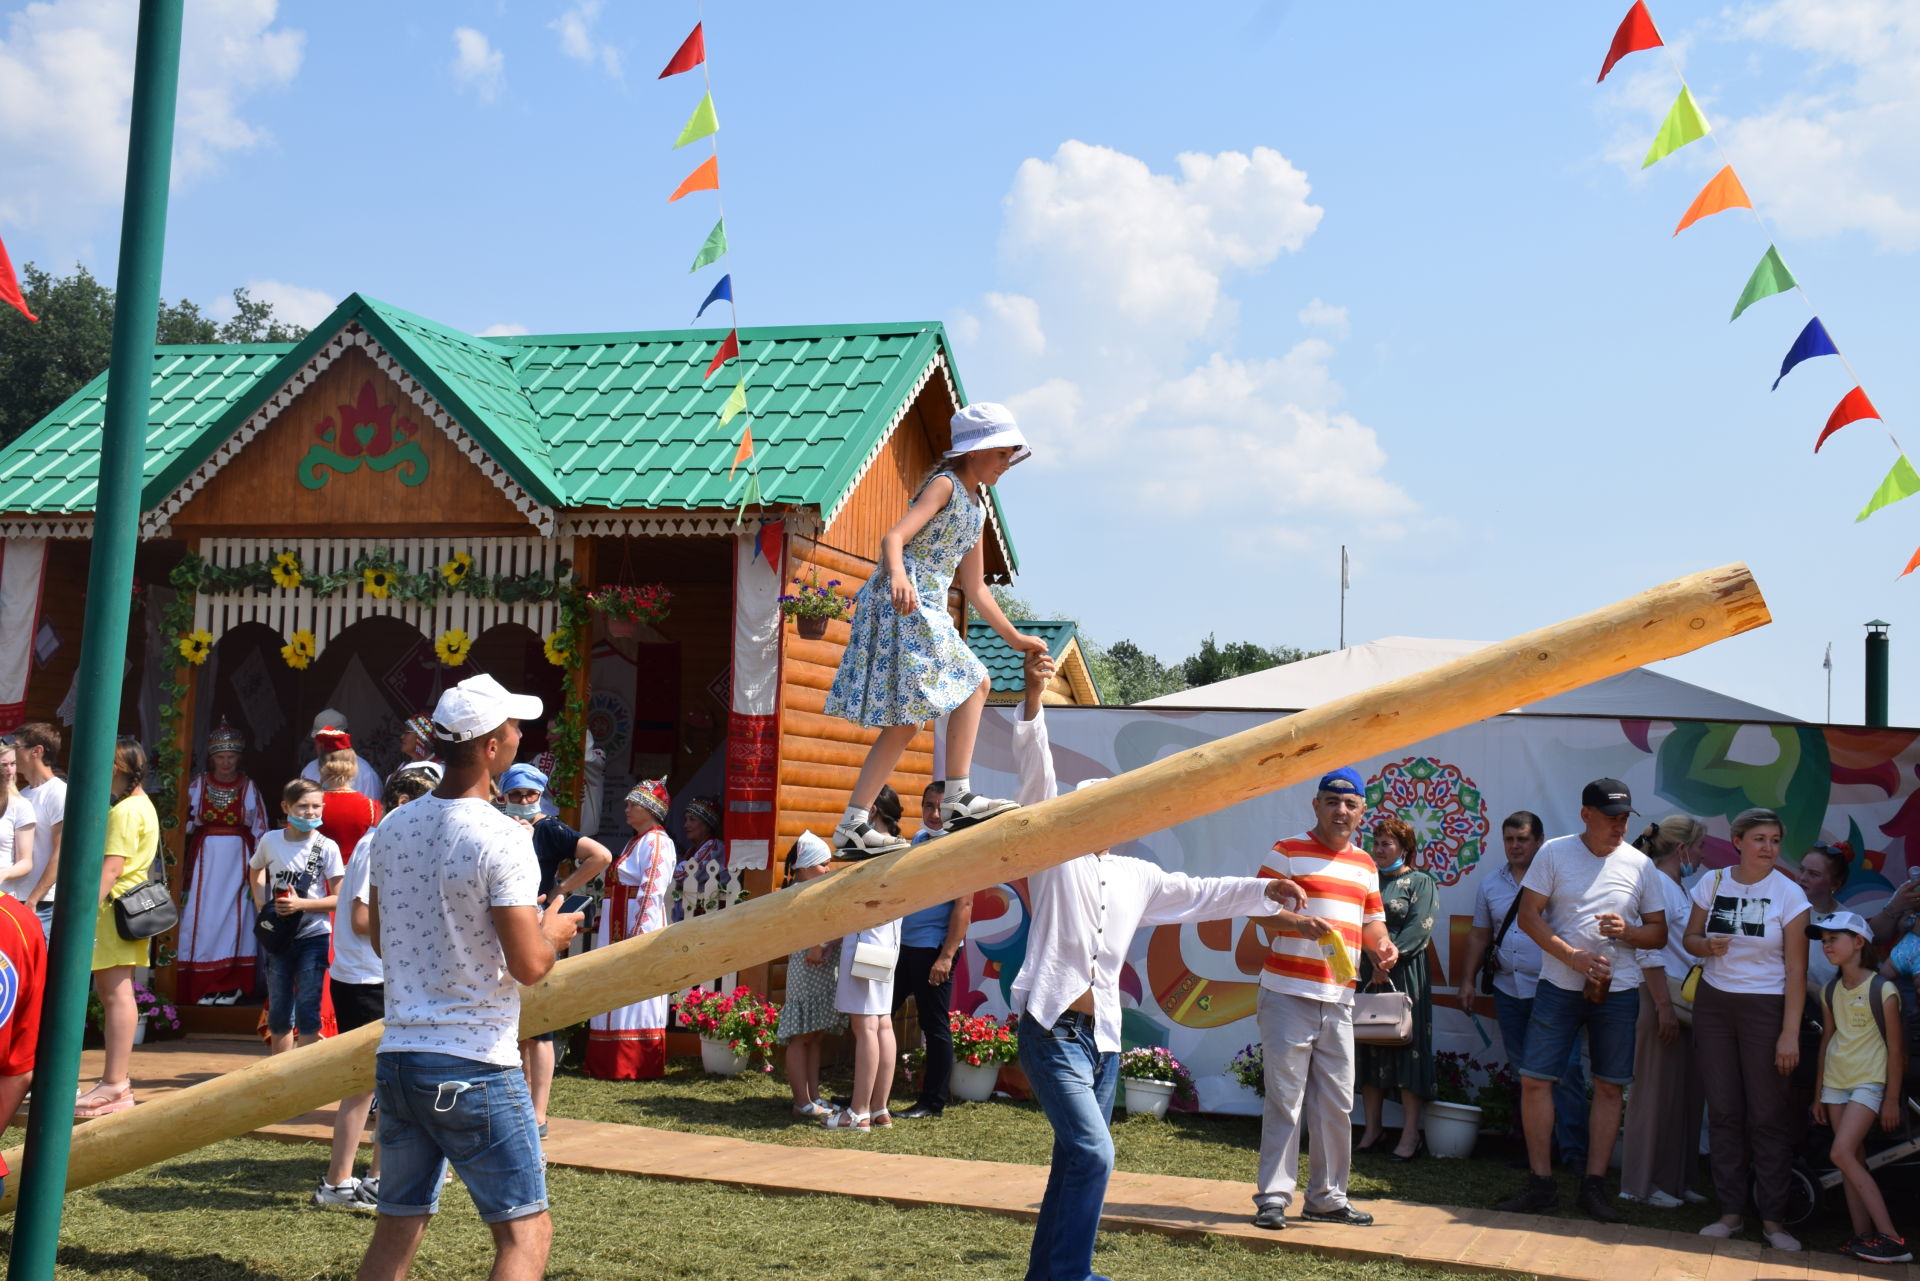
(1869, 1097)
(294, 980)
(436, 1108)
(1558, 1016)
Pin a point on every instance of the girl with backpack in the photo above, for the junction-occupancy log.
(1862, 1065)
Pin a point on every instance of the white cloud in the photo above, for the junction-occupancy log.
(66, 89)
(503, 331)
(1133, 382)
(577, 41)
(477, 64)
(1320, 314)
(294, 303)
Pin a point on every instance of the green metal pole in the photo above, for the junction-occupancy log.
(103, 642)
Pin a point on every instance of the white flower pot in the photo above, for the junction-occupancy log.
(974, 1084)
(1148, 1098)
(139, 1031)
(1451, 1128)
(718, 1058)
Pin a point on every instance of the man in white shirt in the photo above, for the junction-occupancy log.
(1081, 921)
(36, 744)
(366, 779)
(1590, 901)
(455, 917)
(1515, 962)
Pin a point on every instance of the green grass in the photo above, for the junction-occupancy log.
(756, 1106)
(239, 1210)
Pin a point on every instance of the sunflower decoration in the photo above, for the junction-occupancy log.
(455, 571)
(559, 649)
(196, 645)
(287, 570)
(299, 650)
(378, 582)
(452, 646)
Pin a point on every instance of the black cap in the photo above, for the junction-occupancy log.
(1607, 796)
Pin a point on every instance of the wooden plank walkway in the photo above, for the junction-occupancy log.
(1465, 1240)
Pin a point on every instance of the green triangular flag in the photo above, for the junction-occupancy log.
(715, 246)
(701, 123)
(1901, 482)
(1769, 278)
(735, 403)
(748, 496)
(1683, 124)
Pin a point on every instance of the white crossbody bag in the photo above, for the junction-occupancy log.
(873, 961)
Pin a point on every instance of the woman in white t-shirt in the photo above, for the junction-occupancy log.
(1749, 929)
(16, 829)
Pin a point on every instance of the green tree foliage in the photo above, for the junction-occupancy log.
(43, 364)
(1126, 673)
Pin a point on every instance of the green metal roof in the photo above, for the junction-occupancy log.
(610, 420)
(1004, 667)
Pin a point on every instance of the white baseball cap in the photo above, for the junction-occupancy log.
(330, 718)
(1851, 922)
(985, 425)
(478, 705)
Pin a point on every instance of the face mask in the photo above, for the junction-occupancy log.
(1395, 866)
(521, 811)
(303, 824)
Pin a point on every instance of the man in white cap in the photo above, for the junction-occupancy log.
(366, 779)
(459, 883)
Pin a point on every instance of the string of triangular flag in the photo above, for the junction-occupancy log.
(705, 123)
(1686, 123)
(10, 287)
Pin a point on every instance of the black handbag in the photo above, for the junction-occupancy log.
(271, 930)
(1490, 964)
(145, 910)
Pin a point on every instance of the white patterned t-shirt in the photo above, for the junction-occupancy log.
(439, 869)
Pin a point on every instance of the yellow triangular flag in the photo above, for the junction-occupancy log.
(701, 123)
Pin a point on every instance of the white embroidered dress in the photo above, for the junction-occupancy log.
(630, 1043)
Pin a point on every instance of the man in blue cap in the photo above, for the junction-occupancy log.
(1306, 1007)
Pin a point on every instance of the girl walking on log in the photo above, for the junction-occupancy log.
(906, 662)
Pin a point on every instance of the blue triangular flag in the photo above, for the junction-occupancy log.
(722, 290)
(1813, 341)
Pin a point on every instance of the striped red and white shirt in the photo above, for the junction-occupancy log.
(1343, 889)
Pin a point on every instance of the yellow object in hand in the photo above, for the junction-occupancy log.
(1334, 948)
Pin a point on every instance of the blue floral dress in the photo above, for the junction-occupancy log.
(907, 670)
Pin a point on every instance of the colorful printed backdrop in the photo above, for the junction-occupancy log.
(1192, 988)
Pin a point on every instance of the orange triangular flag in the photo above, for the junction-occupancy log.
(1723, 192)
(1911, 565)
(705, 178)
(744, 453)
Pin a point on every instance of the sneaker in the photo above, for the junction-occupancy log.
(367, 1191)
(1849, 1245)
(1271, 1217)
(863, 840)
(966, 809)
(1788, 1241)
(1594, 1201)
(1540, 1194)
(1664, 1200)
(346, 1194)
(1694, 1198)
(1345, 1215)
(1880, 1248)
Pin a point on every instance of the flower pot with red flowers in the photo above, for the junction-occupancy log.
(981, 1047)
(625, 608)
(813, 605)
(736, 1028)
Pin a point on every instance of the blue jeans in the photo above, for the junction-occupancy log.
(436, 1108)
(294, 980)
(45, 912)
(1074, 1084)
(1569, 1092)
(1554, 1034)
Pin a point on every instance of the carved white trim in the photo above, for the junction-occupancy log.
(77, 528)
(158, 522)
(688, 524)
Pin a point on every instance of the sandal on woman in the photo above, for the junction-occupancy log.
(882, 1120)
(103, 1100)
(815, 1110)
(846, 1119)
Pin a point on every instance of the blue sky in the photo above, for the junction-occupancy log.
(1260, 280)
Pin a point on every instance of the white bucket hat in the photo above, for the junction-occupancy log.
(985, 425)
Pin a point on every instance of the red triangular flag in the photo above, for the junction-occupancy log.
(693, 52)
(1911, 565)
(1636, 33)
(729, 348)
(10, 286)
(768, 541)
(744, 453)
(1852, 408)
(705, 178)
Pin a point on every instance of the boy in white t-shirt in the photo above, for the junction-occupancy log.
(299, 870)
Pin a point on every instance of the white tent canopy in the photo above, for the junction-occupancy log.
(1312, 681)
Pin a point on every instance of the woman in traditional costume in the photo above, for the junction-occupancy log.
(702, 874)
(225, 818)
(630, 1043)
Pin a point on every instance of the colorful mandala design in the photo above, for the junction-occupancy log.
(1443, 806)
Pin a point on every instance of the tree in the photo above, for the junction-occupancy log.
(1215, 662)
(43, 364)
(1126, 673)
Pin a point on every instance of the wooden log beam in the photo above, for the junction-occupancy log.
(1675, 618)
